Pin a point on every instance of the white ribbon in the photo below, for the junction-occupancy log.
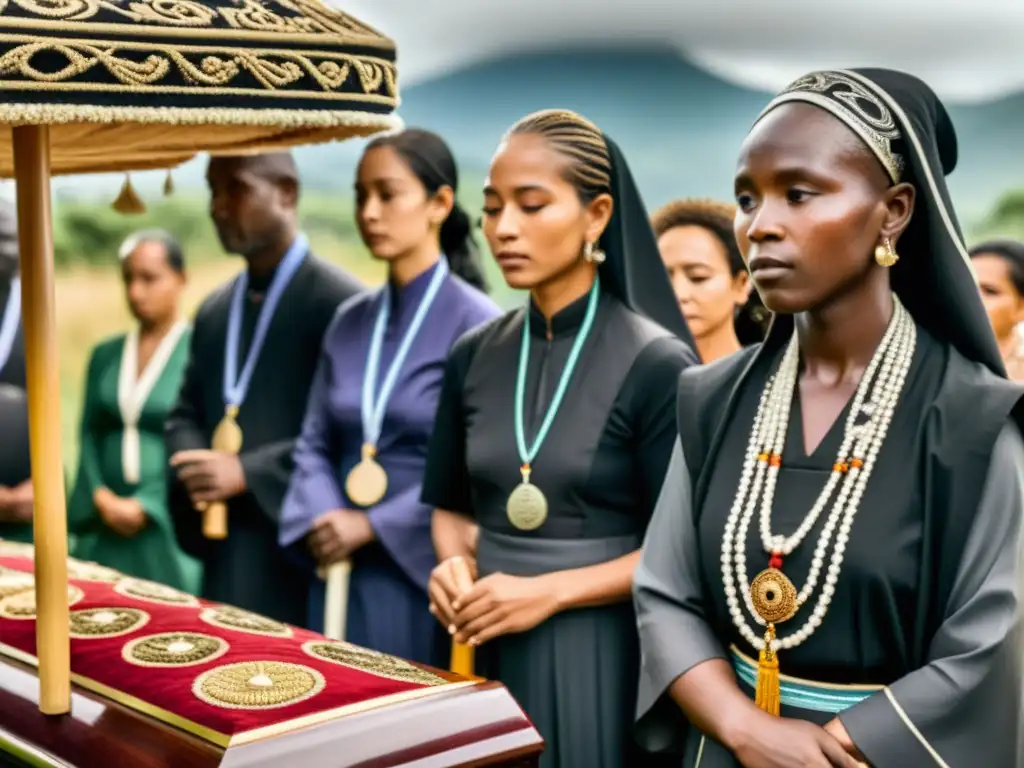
(132, 393)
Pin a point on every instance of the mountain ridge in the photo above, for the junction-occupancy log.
(679, 125)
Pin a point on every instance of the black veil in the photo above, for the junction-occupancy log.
(933, 278)
(633, 270)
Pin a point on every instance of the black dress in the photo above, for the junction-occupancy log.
(601, 469)
(248, 569)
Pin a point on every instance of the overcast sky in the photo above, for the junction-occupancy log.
(968, 50)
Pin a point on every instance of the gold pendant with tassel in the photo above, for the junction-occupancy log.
(169, 185)
(775, 600)
(768, 696)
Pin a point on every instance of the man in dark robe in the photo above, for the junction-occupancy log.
(15, 468)
(253, 205)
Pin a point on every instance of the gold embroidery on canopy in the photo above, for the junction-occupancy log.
(307, 20)
(204, 68)
(258, 685)
(372, 662)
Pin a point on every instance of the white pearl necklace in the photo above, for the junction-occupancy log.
(867, 424)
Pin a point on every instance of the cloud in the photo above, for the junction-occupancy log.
(968, 50)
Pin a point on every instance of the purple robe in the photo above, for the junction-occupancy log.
(387, 608)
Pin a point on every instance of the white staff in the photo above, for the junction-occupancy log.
(336, 599)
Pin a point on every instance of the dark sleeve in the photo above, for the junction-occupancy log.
(675, 635)
(313, 488)
(268, 469)
(964, 707)
(649, 393)
(184, 430)
(446, 479)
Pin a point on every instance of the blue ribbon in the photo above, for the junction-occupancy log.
(373, 408)
(816, 697)
(9, 325)
(527, 453)
(236, 384)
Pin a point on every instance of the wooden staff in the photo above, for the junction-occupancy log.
(462, 660)
(215, 520)
(42, 373)
(336, 599)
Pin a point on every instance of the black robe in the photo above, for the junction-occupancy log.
(248, 569)
(928, 601)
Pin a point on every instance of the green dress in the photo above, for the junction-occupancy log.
(131, 462)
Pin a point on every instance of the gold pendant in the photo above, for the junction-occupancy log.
(774, 596)
(367, 483)
(227, 437)
(775, 600)
(527, 508)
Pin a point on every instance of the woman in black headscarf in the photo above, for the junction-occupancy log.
(552, 437)
(839, 536)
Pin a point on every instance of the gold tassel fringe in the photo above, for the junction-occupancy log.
(168, 185)
(128, 201)
(768, 697)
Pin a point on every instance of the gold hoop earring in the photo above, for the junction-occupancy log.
(593, 254)
(885, 255)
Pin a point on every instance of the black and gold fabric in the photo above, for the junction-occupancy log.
(229, 75)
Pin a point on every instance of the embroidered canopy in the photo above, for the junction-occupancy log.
(119, 85)
(112, 77)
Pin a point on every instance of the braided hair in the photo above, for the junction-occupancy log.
(581, 142)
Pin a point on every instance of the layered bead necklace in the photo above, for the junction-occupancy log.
(772, 598)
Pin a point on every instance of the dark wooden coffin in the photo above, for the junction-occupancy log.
(480, 725)
(164, 680)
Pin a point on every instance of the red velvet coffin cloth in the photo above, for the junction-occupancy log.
(220, 673)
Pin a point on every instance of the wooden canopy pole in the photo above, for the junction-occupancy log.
(35, 235)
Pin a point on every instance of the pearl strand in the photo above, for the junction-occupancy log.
(768, 435)
(786, 545)
(859, 484)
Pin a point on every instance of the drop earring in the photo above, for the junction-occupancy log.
(593, 254)
(885, 255)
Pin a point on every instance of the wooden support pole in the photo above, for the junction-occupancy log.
(35, 235)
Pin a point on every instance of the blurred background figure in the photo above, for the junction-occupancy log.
(708, 275)
(256, 342)
(999, 267)
(118, 509)
(409, 219)
(15, 471)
